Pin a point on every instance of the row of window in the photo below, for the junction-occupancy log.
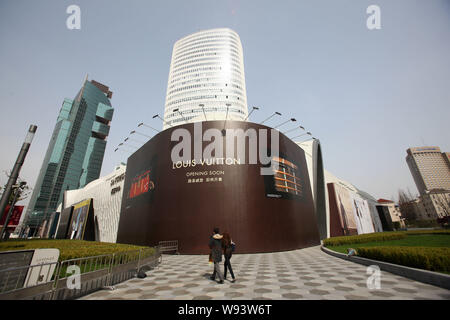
(204, 33)
(197, 79)
(188, 49)
(214, 52)
(217, 48)
(182, 75)
(200, 77)
(207, 110)
(214, 91)
(211, 105)
(219, 62)
(207, 39)
(204, 85)
(213, 58)
(201, 98)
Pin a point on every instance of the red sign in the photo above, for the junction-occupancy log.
(141, 184)
(15, 216)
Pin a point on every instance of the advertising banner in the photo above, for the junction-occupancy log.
(14, 218)
(362, 215)
(345, 209)
(79, 218)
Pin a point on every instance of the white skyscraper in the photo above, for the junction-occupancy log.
(206, 79)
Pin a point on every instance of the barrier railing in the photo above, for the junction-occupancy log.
(169, 246)
(71, 279)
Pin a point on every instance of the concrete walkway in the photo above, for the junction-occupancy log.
(300, 274)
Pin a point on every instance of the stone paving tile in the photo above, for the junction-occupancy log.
(300, 274)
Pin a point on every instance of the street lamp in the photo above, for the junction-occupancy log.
(178, 110)
(143, 124)
(203, 108)
(17, 187)
(291, 119)
(164, 121)
(253, 109)
(308, 133)
(226, 117)
(290, 130)
(134, 131)
(276, 113)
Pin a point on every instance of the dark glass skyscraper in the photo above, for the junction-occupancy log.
(75, 153)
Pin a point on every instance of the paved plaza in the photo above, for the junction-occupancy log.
(300, 274)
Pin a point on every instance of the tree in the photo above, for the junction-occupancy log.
(406, 204)
(24, 192)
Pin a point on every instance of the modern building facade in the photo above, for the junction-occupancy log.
(75, 153)
(390, 214)
(429, 167)
(106, 194)
(435, 203)
(206, 79)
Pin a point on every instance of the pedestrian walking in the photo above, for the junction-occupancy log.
(215, 244)
(227, 245)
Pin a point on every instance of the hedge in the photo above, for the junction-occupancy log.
(368, 237)
(378, 236)
(428, 258)
(70, 249)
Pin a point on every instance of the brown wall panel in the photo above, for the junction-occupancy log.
(177, 210)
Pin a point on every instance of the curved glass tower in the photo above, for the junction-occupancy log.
(206, 79)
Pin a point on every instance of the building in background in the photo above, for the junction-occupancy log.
(206, 79)
(429, 167)
(106, 194)
(390, 215)
(436, 204)
(75, 153)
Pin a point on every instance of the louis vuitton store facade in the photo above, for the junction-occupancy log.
(169, 199)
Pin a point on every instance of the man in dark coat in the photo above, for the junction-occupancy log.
(215, 244)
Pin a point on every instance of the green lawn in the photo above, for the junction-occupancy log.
(425, 240)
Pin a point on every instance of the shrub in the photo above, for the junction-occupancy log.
(379, 236)
(428, 258)
(362, 238)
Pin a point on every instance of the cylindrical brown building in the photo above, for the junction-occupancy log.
(165, 199)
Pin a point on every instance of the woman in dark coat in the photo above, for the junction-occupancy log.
(227, 253)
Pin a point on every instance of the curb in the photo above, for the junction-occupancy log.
(425, 276)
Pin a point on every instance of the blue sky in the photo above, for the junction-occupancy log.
(367, 95)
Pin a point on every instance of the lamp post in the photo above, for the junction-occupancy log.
(11, 209)
(164, 121)
(134, 131)
(145, 125)
(248, 115)
(178, 110)
(16, 169)
(290, 130)
(276, 113)
(308, 133)
(225, 122)
(291, 119)
(203, 108)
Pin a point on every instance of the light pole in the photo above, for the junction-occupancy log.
(248, 115)
(290, 130)
(143, 124)
(291, 119)
(308, 133)
(16, 169)
(178, 110)
(11, 209)
(203, 108)
(134, 131)
(164, 121)
(276, 113)
(225, 122)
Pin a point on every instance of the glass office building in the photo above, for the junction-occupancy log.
(75, 153)
(206, 79)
